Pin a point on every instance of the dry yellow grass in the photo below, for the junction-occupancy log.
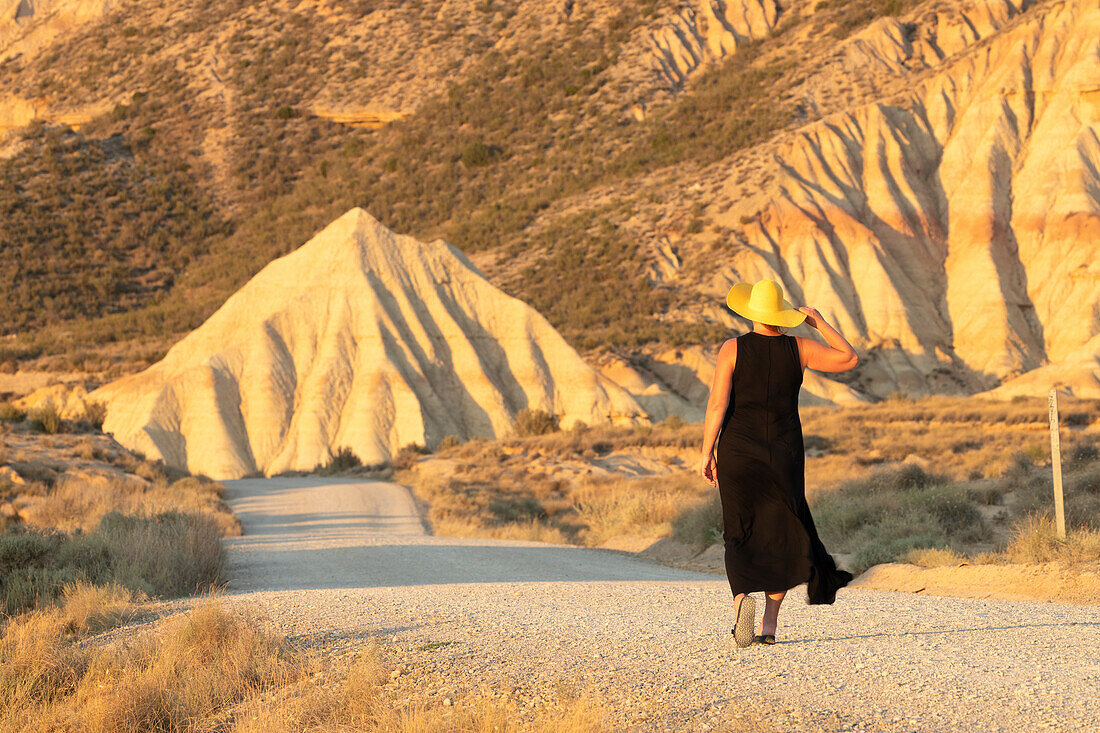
(962, 437)
(650, 507)
(80, 502)
(1035, 540)
(858, 462)
(179, 676)
(217, 668)
(933, 557)
(90, 522)
(505, 501)
(360, 702)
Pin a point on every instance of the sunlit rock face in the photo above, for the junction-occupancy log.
(363, 339)
(953, 233)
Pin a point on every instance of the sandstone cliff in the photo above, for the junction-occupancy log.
(359, 338)
(951, 229)
(931, 184)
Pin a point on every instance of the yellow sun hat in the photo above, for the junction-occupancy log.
(763, 302)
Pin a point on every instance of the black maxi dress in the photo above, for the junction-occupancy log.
(770, 539)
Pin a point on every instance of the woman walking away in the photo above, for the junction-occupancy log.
(758, 463)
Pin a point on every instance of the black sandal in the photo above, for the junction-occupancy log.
(764, 639)
(745, 620)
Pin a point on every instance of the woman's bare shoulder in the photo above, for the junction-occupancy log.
(728, 350)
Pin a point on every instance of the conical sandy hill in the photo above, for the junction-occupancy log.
(360, 338)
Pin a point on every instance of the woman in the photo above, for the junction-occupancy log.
(758, 464)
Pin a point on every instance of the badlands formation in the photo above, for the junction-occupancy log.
(365, 339)
(360, 338)
(936, 193)
(952, 228)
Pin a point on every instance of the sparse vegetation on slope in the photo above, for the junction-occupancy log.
(514, 134)
(94, 226)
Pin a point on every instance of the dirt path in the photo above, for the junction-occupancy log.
(339, 562)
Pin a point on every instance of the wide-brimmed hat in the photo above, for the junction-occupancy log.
(763, 302)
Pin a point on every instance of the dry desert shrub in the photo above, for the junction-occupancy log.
(219, 668)
(884, 517)
(186, 674)
(165, 554)
(80, 501)
(47, 418)
(9, 413)
(1035, 540)
(89, 609)
(87, 450)
(535, 422)
(95, 413)
(183, 675)
(653, 507)
(38, 665)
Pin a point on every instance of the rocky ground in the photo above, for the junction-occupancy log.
(339, 564)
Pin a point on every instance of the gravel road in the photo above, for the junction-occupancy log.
(335, 563)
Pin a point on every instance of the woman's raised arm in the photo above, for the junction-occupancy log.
(838, 356)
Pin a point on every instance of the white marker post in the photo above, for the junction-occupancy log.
(1056, 462)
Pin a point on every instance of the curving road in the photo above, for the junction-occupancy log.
(337, 562)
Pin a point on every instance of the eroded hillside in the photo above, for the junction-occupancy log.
(925, 173)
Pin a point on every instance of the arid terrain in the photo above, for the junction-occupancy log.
(923, 172)
(337, 608)
(354, 354)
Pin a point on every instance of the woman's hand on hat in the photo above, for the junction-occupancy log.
(708, 469)
(813, 318)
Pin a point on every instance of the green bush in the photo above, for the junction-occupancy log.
(344, 459)
(884, 517)
(477, 154)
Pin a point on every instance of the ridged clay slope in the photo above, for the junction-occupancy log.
(706, 31)
(28, 25)
(360, 338)
(952, 231)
